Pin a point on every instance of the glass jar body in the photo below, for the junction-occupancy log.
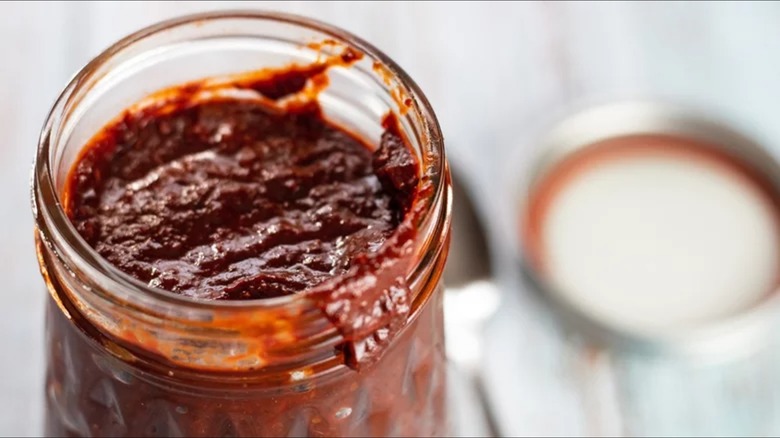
(124, 360)
(91, 392)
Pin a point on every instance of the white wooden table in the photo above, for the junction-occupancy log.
(496, 74)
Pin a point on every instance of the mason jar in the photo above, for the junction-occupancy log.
(126, 359)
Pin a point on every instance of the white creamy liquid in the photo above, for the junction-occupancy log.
(658, 241)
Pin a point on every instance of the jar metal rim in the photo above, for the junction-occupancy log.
(719, 338)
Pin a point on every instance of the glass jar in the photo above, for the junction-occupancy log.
(125, 359)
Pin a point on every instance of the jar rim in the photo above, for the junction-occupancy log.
(50, 215)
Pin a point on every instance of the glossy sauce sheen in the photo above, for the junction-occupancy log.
(230, 199)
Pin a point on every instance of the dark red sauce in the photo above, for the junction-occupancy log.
(231, 200)
(228, 198)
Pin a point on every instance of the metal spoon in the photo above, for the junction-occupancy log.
(470, 299)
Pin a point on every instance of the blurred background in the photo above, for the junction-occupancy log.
(497, 74)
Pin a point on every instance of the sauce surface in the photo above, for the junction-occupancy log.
(229, 199)
(238, 188)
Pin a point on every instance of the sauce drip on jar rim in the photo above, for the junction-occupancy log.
(223, 197)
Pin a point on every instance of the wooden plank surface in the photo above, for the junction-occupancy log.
(496, 73)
